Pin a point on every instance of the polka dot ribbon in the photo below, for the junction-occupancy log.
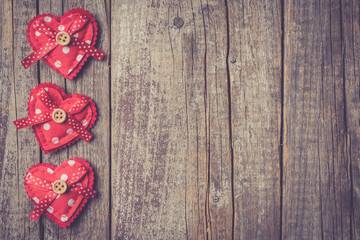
(48, 30)
(46, 116)
(33, 120)
(78, 127)
(41, 52)
(44, 188)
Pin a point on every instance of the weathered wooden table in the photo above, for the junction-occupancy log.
(217, 120)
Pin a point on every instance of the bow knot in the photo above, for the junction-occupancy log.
(47, 115)
(70, 26)
(45, 185)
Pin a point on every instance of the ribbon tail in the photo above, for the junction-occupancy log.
(89, 49)
(42, 205)
(39, 53)
(77, 127)
(85, 192)
(32, 120)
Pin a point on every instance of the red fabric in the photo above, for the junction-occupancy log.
(60, 208)
(67, 60)
(44, 99)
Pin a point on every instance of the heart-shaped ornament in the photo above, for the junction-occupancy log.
(58, 119)
(64, 43)
(60, 192)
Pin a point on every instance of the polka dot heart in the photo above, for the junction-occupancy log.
(63, 208)
(46, 103)
(46, 34)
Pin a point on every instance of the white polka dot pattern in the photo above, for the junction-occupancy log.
(89, 49)
(38, 54)
(76, 176)
(42, 27)
(44, 202)
(46, 99)
(75, 125)
(71, 202)
(46, 126)
(50, 209)
(57, 64)
(41, 204)
(64, 218)
(64, 177)
(55, 140)
(32, 120)
(78, 24)
(66, 49)
(79, 57)
(41, 117)
(71, 162)
(86, 192)
(79, 105)
(47, 19)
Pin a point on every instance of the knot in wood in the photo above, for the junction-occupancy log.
(178, 22)
(216, 199)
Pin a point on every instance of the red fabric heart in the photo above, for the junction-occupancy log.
(66, 60)
(43, 101)
(60, 208)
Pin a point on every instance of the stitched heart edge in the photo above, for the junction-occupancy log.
(86, 56)
(65, 96)
(80, 206)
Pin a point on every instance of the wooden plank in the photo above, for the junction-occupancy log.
(171, 161)
(210, 45)
(255, 78)
(187, 42)
(317, 184)
(19, 149)
(351, 60)
(93, 81)
(8, 139)
(199, 54)
(148, 152)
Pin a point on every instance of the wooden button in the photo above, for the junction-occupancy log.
(59, 186)
(59, 115)
(63, 38)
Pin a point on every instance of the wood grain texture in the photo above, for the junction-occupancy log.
(350, 12)
(148, 118)
(186, 110)
(8, 145)
(20, 149)
(255, 79)
(227, 119)
(317, 174)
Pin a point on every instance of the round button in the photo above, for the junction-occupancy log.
(59, 186)
(63, 38)
(59, 115)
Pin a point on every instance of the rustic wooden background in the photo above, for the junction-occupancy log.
(217, 120)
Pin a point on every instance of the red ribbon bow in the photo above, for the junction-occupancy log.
(46, 116)
(50, 31)
(43, 185)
